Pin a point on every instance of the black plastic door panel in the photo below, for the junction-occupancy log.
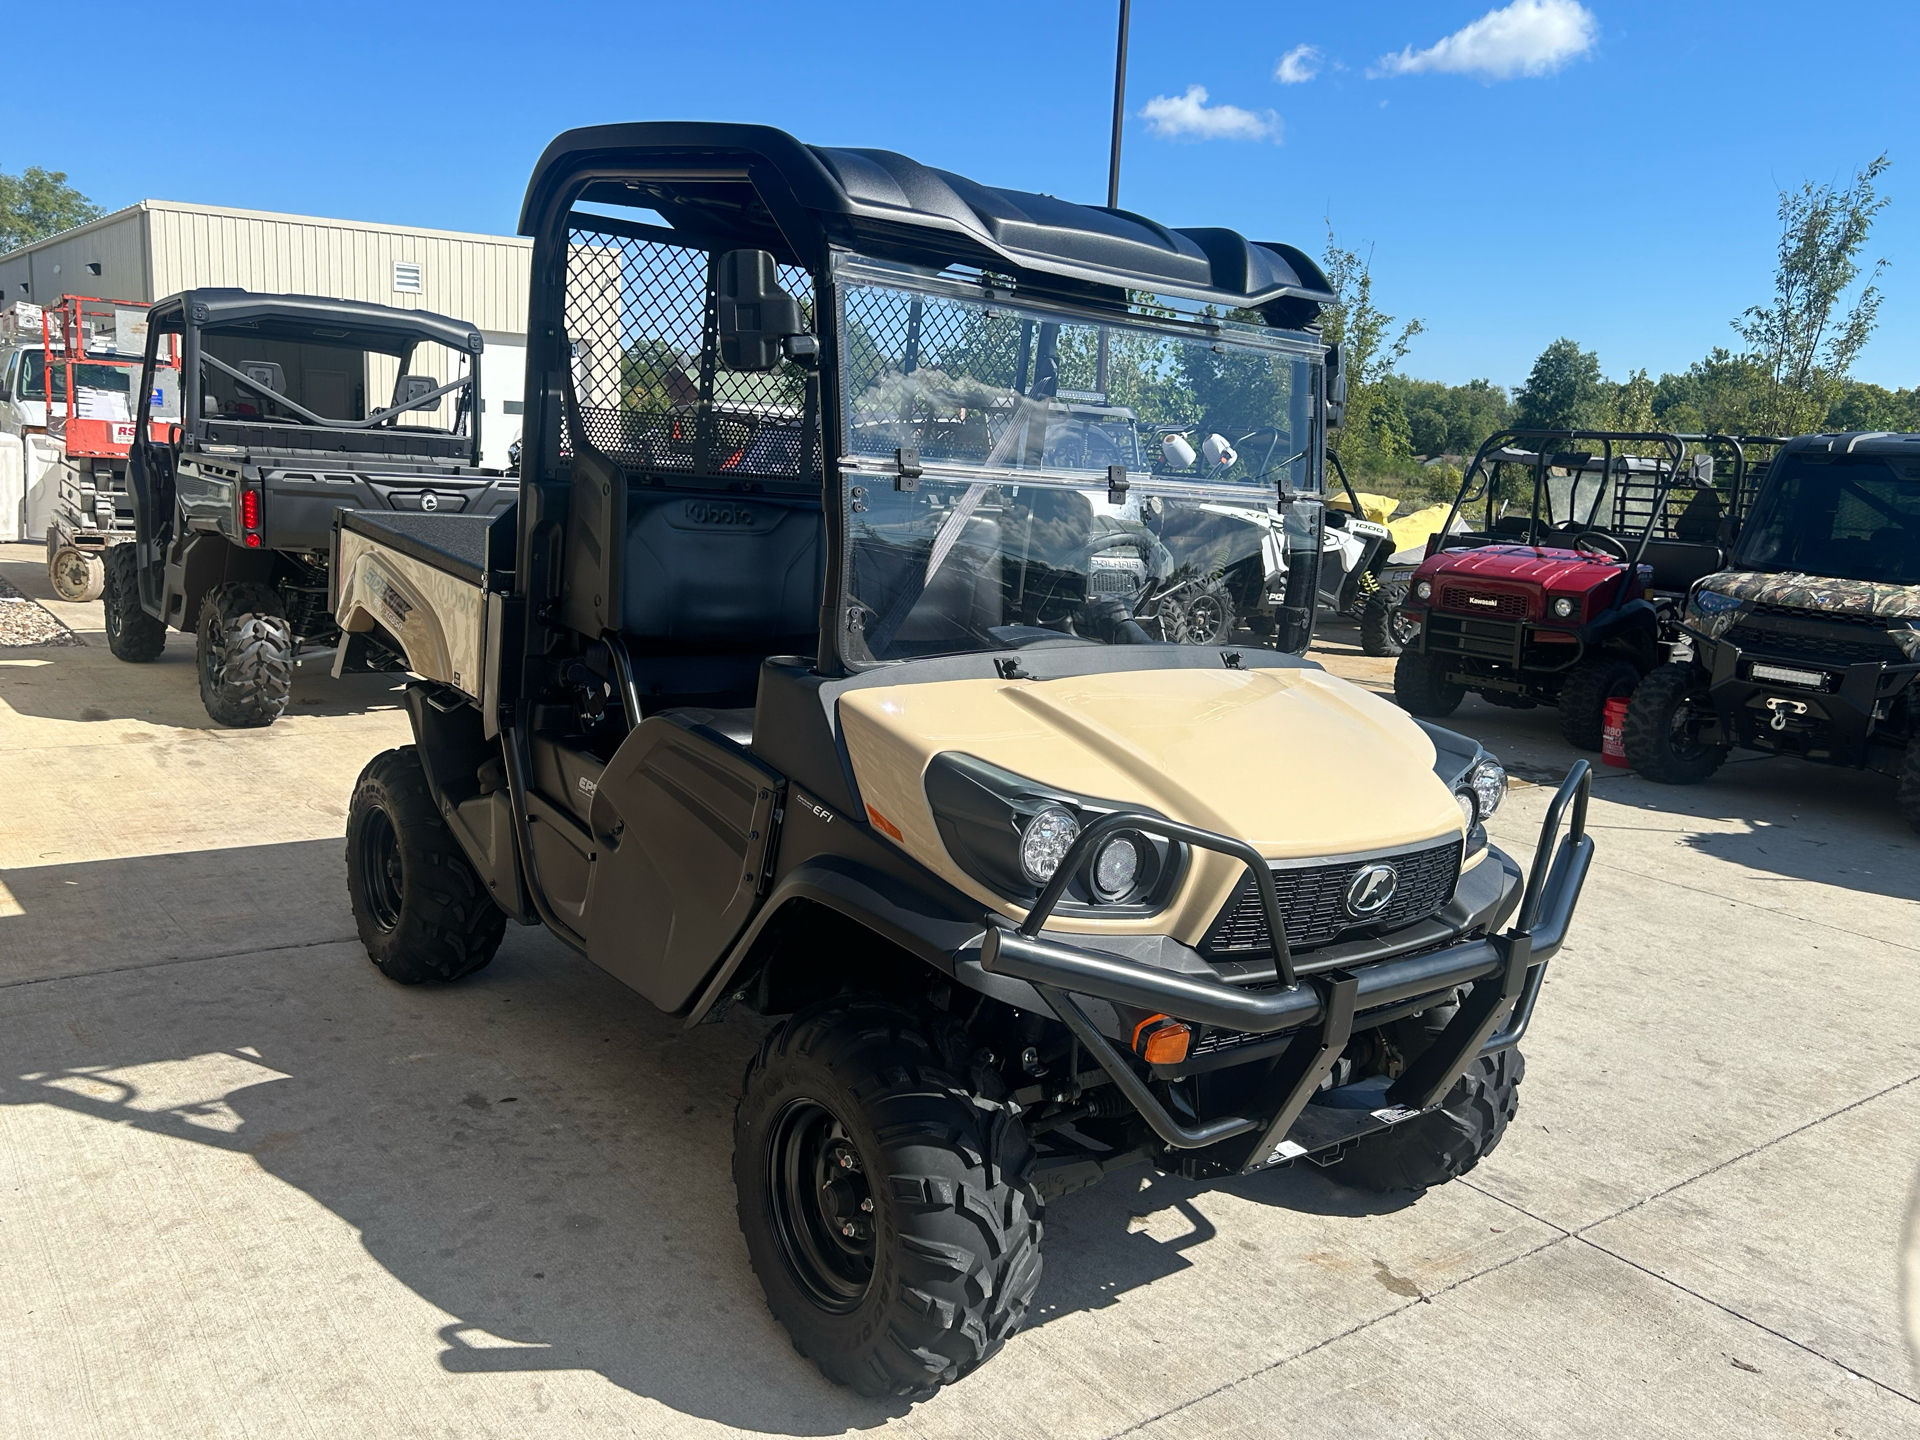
(682, 821)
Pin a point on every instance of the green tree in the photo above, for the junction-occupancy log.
(1724, 394)
(37, 203)
(1370, 352)
(1451, 419)
(1807, 338)
(1563, 391)
(1861, 406)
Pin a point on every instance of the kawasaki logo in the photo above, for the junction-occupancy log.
(1482, 600)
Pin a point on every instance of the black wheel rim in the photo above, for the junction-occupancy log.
(822, 1207)
(381, 872)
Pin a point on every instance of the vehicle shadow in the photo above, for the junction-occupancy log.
(536, 1151)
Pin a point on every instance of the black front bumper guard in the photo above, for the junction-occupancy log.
(1514, 963)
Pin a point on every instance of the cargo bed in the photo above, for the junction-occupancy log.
(426, 587)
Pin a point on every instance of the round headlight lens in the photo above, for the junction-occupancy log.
(1045, 840)
(1489, 782)
(1423, 590)
(1116, 868)
(1464, 799)
(1562, 608)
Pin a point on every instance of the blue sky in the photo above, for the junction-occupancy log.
(1624, 197)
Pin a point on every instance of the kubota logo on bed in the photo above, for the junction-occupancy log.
(711, 512)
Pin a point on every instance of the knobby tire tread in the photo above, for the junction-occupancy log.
(449, 925)
(132, 634)
(245, 655)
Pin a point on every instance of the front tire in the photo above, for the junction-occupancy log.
(132, 634)
(1420, 687)
(888, 1212)
(1661, 737)
(1384, 628)
(1444, 1143)
(1584, 695)
(1909, 792)
(421, 911)
(244, 649)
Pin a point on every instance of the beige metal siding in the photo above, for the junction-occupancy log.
(58, 266)
(481, 279)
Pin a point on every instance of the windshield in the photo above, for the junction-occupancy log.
(1843, 517)
(94, 386)
(263, 379)
(1083, 482)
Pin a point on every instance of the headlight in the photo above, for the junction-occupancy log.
(1423, 590)
(1116, 868)
(1712, 613)
(1469, 810)
(1562, 608)
(1045, 840)
(1012, 835)
(1488, 781)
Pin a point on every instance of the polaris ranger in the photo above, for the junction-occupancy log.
(293, 407)
(1567, 593)
(1808, 644)
(801, 682)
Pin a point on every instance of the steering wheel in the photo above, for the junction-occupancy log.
(1598, 542)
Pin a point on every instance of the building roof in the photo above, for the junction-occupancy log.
(183, 207)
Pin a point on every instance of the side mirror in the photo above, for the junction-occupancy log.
(759, 323)
(1336, 383)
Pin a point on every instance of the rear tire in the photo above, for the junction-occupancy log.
(132, 634)
(421, 911)
(77, 576)
(1658, 740)
(245, 654)
(1420, 686)
(1384, 630)
(1442, 1144)
(1584, 695)
(1910, 784)
(888, 1212)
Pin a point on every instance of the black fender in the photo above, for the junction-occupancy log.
(202, 560)
(447, 737)
(948, 940)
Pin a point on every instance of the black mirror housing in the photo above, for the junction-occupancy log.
(1336, 388)
(754, 316)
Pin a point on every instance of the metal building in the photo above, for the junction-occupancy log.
(157, 247)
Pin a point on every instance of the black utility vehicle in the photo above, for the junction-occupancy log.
(285, 419)
(824, 671)
(1808, 644)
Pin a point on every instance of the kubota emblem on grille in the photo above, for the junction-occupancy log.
(1371, 888)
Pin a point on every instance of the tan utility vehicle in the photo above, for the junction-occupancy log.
(825, 670)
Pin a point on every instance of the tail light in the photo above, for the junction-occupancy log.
(250, 517)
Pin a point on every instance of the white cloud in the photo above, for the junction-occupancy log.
(1298, 65)
(1189, 117)
(1528, 37)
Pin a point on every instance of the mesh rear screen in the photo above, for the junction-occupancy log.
(652, 396)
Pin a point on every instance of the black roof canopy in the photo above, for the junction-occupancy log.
(315, 318)
(755, 186)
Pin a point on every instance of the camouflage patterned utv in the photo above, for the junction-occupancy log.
(1810, 644)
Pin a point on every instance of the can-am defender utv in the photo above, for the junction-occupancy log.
(286, 418)
(1809, 643)
(812, 680)
(1567, 593)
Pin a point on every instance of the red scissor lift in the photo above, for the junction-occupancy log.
(93, 380)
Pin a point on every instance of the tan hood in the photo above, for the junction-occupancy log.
(1296, 762)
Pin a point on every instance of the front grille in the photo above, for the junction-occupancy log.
(1475, 602)
(1820, 648)
(1313, 898)
(1482, 639)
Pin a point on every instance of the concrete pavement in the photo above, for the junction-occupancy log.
(248, 1187)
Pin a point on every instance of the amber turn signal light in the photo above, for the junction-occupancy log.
(1161, 1041)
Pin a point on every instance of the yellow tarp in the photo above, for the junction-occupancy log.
(1412, 530)
(1377, 508)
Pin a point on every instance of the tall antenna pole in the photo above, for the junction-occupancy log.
(1113, 169)
(1119, 107)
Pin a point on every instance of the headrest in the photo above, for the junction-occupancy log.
(265, 372)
